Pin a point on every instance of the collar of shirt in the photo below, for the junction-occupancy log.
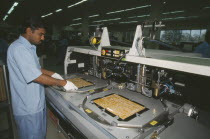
(25, 41)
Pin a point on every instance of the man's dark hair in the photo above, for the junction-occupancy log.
(207, 37)
(33, 22)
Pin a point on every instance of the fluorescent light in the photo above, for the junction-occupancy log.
(116, 12)
(75, 24)
(76, 3)
(143, 6)
(193, 16)
(107, 20)
(12, 8)
(206, 7)
(130, 9)
(58, 10)
(93, 15)
(5, 17)
(16, 3)
(139, 16)
(96, 25)
(167, 18)
(173, 12)
(77, 19)
(180, 17)
(46, 15)
(143, 15)
(128, 22)
(125, 10)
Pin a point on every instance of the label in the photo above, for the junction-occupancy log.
(105, 89)
(91, 91)
(153, 123)
(103, 52)
(73, 61)
(88, 110)
(123, 59)
(116, 55)
(116, 52)
(81, 65)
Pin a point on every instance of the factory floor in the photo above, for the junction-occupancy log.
(52, 132)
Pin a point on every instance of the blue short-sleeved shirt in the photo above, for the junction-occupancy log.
(27, 96)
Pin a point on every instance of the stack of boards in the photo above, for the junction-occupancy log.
(80, 83)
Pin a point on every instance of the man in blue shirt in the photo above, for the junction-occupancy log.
(204, 48)
(27, 80)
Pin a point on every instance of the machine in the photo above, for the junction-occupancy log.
(129, 92)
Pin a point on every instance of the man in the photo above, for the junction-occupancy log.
(27, 80)
(204, 48)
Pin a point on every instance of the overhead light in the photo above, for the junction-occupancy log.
(206, 7)
(75, 24)
(130, 9)
(58, 10)
(139, 16)
(5, 17)
(93, 15)
(128, 22)
(76, 3)
(96, 25)
(125, 10)
(193, 16)
(77, 19)
(180, 17)
(107, 20)
(167, 18)
(46, 15)
(116, 12)
(12, 8)
(173, 12)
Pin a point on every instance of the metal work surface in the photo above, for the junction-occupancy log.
(154, 108)
(71, 113)
(94, 122)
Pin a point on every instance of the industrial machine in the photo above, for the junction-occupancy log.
(129, 92)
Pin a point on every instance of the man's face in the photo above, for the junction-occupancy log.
(36, 36)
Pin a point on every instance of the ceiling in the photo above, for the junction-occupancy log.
(196, 11)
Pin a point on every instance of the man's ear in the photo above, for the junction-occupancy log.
(28, 30)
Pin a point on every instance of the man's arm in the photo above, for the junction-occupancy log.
(52, 74)
(47, 72)
(47, 80)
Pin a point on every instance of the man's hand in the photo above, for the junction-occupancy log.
(70, 86)
(57, 76)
